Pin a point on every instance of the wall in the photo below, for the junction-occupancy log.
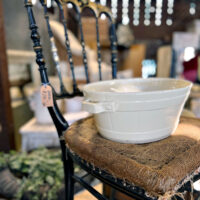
(17, 28)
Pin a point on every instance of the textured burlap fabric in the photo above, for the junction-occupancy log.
(157, 167)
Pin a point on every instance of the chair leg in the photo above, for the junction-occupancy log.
(69, 182)
(68, 173)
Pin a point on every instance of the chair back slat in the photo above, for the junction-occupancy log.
(93, 7)
(98, 48)
(77, 4)
(113, 38)
(98, 9)
(63, 92)
(53, 48)
(84, 54)
(68, 48)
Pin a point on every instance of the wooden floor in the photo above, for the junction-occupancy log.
(85, 195)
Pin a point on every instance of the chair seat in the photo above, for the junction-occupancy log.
(159, 167)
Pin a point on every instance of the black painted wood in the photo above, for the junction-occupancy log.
(53, 48)
(57, 117)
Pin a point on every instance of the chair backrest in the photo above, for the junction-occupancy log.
(79, 6)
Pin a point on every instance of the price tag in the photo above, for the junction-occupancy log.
(46, 95)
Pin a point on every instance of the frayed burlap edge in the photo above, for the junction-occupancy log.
(76, 147)
(125, 183)
(168, 195)
(174, 192)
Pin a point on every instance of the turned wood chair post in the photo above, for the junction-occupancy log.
(59, 121)
(57, 117)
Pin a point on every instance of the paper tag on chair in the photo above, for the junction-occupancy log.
(46, 95)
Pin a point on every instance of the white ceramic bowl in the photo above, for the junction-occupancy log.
(136, 110)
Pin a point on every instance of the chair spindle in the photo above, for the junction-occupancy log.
(98, 48)
(68, 48)
(93, 7)
(113, 40)
(53, 48)
(78, 10)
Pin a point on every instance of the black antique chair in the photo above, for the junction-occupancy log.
(162, 169)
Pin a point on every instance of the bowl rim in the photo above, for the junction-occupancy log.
(87, 86)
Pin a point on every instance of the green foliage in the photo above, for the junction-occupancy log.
(41, 172)
(3, 161)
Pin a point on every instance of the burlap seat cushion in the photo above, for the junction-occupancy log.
(157, 167)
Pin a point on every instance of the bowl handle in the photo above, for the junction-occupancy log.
(97, 107)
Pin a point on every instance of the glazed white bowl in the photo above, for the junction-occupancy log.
(136, 110)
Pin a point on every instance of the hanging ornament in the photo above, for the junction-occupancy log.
(170, 7)
(170, 11)
(192, 9)
(114, 5)
(48, 3)
(147, 12)
(158, 15)
(125, 16)
(136, 13)
(103, 2)
(34, 2)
